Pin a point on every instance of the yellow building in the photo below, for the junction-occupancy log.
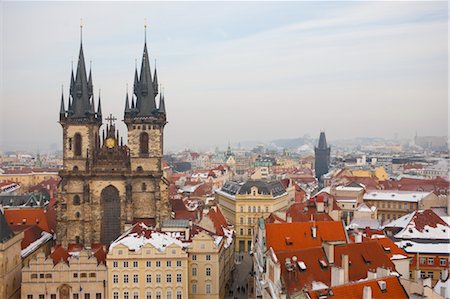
(393, 204)
(66, 274)
(28, 177)
(243, 204)
(143, 263)
(211, 256)
(10, 261)
(379, 173)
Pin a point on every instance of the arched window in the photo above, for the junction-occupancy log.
(144, 186)
(77, 215)
(76, 200)
(139, 169)
(77, 141)
(143, 143)
(75, 168)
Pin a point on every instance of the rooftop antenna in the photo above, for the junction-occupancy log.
(145, 30)
(81, 30)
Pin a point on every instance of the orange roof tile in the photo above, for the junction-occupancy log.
(394, 289)
(300, 234)
(28, 216)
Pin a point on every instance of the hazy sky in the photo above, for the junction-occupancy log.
(233, 71)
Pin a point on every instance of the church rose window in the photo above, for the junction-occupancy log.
(143, 143)
(77, 138)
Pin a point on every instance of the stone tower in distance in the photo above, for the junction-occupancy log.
(106, 186)
(322, 157)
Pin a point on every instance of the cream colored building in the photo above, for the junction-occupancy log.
(10, 261)
(143, 263)
(243, 204)
(27, 178)
(65, 275)
(211, 256)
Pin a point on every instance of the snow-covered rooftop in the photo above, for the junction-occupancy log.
(407, 196)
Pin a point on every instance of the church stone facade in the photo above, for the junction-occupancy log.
(322, 157)
(106, 186)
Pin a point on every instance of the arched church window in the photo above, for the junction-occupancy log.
(144, 186)
(143, 143)
(139, 169)
(77, 138)
(77, 215)
(76, 200)
(75, 168)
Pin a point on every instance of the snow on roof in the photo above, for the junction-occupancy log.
(414, 247)
(347, 188)
(140, 234)
(400, 222)
(398, 257)
(365, 208)
(36, 244)
(318, 285)
(408, 196)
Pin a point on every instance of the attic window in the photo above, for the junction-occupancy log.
(323, 264)
(410, 230)
(24, 221)
(366, 258)
(382, 285)
(288, 241)
(301, 265)
(387, 249)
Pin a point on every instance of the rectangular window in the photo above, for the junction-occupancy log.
(87, 296)
(178, 263)
(423, 260)
(158, 294)
(208, 257)
(115, 278)
(249, 231)
(92, 274)
(430, 261)
(411, 206)
(242, 209)
(241, 231)
(267, 209)
(135, 264)
(158, 264)
(158, 278)
(442, 262)
(41, 296)
(125, 278)
(75, 296)
(115, 264)
(208, 271)
(194, 257)
(29, 296)
(242, 220)
(125, 264)
(126, 295)
(135, 295)
(135, 278)
(98, 296)
(168, 278)
(178, 277)
(179, 296)
(148, 295)
(116, 295)
(194, 271)
(194, 288)
(208, 288)
(148, 264)
(431, 275)
(75, 275)
(52, 296)
(168, 263)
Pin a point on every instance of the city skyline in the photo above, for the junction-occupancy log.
(376, 68)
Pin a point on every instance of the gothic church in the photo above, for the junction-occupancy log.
(106, 185)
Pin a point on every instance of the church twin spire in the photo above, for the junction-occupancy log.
(145, 89)
(81, 105)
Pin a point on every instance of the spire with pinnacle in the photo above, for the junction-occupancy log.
(81, 100)
(155, 81)
(127, 102)
(62, 109)
(162, 105)
(99, 108)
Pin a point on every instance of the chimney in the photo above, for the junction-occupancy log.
(320, 207)
(444, 274)
(337, 276)
(314, 232)
(288, 218)
(382, 272)
(417, 275)
(344, 259)
(329, 251)
(367, 292)
(358, 237)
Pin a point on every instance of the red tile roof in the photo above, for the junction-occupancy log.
(59, 254)
(28, 216)
(305, 211)
(300, 234)
(394, 289)
(363, 257)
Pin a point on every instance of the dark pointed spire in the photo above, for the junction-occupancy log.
(62, 109)
(322, 141)
(80, 91)
(72, 81)
(99, 108)
(155, 82)
(133, 103)
(90, 86)
(162, 105)
(127, 103)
